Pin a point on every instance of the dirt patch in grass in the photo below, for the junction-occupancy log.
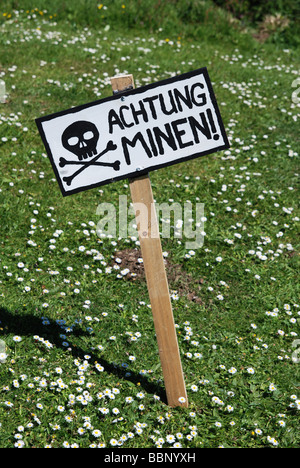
(131, 266)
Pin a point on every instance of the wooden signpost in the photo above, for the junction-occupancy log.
(158, 288)
(139, 130)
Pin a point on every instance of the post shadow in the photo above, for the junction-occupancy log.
(30, 325)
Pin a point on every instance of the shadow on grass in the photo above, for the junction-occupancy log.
(30, 325)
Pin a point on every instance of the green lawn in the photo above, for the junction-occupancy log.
(82, 365)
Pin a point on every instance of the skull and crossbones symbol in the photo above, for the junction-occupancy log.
(81, 139)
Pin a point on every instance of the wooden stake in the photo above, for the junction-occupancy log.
(143, 202)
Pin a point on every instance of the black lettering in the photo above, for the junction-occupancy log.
(180, 133)
(114, 119)
(196, 126)
(152, 143)
(212, 124)
(201, 96)
(126, 142)
(185, 99)
(172, 102)
(151, 105)
(142, 111)
(167, 137)
(123, 118)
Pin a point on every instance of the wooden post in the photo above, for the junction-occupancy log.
(141, 194)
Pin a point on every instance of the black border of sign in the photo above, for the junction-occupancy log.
(117, 96)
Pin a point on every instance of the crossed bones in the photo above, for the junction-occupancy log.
(92, 162)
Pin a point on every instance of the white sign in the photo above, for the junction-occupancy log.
(134, 132)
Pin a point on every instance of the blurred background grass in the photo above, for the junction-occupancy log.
(268, 20)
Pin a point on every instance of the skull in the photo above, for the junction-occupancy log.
(81, 138)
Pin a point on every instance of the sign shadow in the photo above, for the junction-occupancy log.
(30, 325)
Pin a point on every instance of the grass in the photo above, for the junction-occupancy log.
(81, 354)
